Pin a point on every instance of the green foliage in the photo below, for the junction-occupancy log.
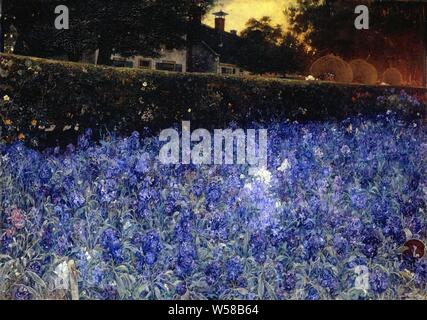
(395, 31)
(49, 103)
(124, 27)
(268, 49)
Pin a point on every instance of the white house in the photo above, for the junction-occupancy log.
(212, 50)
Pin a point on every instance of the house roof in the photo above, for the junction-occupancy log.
(226, 45)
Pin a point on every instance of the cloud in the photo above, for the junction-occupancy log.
(240, 11)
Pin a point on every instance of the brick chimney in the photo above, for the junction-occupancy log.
(220, 20)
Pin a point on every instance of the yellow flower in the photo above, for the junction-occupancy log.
(34, 122)
(7, 122)
(6, 98)
(21, 136)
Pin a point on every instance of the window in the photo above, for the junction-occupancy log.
(169, 66)
(165, 66)
(121, 63)
(145, 64)
(225, 70)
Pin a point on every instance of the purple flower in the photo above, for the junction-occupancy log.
(328, 280)
(234, 270)
(378, 281)
(186, 259)
(371, 242)
(213, 193)
(151, 247)
(421, 274)
(48, 241)
(110, 293)
(312, 247)
(198, 187)
(181, 288)
(258, 245)
(341, 245)
(112, 246)
(212, 272)
(36, 267)
(289, 281)
(142, 165)
(312, 294)
(22, 293)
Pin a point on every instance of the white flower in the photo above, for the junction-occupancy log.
(345, 150)
(261, 173)
(284, 166)
(362, 280)
(6, 98)
(318, 152)
(62, 279)
(310, 78)
(127, 225)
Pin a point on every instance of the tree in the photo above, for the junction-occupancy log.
(269, 49)
(1, 27)
(112, 26)
(393, 39)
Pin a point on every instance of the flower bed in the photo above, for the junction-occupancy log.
(337, 198)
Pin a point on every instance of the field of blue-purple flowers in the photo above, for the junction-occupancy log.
(326, 220)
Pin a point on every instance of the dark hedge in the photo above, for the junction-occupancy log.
(36, 94)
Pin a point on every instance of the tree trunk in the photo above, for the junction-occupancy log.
(105, 52)
(19, 45)
(1, 27)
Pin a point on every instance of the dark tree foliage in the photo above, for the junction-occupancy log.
(269, 49)
(112, 26)
(393, 39)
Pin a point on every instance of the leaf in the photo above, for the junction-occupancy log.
(157, 293)
(270, 291)
(242, 291)
(39, 281)
(261, 287)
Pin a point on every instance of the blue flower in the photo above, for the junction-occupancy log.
(234, 270)
(48, 238)
(181, 288)
(289, 281)
(341, 245)
(213, 193)
(142, 166)
(378, 281)
(212, 272)
(36, 267)
(186, 259)
(22, 293)
(198, 187)
(342, 194)
(421, 274)
(151, 247)
(110, 293)
(371, 242)
(258, 245)
(112, 246)
(328, 280)
(312, 246)
(312, 294)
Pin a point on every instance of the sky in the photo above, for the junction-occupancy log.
(240, 11)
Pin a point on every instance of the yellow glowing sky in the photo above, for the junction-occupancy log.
(240, 11)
